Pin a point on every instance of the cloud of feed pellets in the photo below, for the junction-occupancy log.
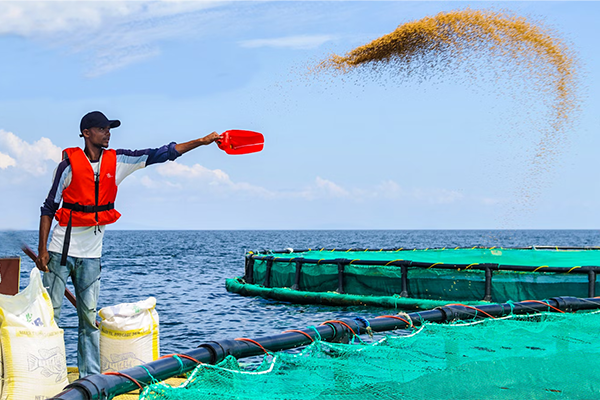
(524, 58)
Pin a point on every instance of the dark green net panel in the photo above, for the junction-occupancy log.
(406, 278)
(543, 356)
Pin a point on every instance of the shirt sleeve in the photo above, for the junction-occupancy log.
(129, 161)
(61, 179)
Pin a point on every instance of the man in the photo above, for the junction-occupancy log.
(86, 182)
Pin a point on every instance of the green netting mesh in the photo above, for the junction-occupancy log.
(543, 356)
(465, 283)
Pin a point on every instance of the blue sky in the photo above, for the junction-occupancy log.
(339, 154)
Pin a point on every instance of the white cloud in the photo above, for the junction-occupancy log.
(149, 183)
(196, 171)
(388, 189)
(6, 161)
(108, 60)
(300, 42)
(30, 157)
(320, 188)
(38, 18)
(195, 179)
(330, 189)
(113, 33)
(215, 179)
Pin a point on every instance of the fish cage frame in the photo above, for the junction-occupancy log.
(405, 265)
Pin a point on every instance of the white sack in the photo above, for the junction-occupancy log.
(129, 335)
(33, 347)
(30, 307)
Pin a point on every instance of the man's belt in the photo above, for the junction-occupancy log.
(88, 209)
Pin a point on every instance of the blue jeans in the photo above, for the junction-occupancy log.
(85, 275)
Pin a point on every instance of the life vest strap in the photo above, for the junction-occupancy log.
(88, 209)
(67, 242)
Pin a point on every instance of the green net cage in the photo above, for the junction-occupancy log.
(418, 278)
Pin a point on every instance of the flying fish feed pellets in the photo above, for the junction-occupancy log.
(524, 57)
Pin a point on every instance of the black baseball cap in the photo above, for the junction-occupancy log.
(96, 119)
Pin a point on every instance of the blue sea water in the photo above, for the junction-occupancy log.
(186, 270)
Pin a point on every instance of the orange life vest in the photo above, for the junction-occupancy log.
(89, 200)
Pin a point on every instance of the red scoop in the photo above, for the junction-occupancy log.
(236, 141)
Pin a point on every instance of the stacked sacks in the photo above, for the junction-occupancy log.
(128, 335)
(33, 347)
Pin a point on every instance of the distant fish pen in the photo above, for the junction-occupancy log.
(418, 278)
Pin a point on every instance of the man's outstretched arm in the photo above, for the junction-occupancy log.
(129, 161)
(192, 144)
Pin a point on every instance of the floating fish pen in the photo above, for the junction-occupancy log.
(503, 350)
(418, 278)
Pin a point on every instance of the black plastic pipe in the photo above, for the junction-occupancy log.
(488, 285)
(99, 387)
(592, 283)
(404, 291)
(340, 267)
(267, 282)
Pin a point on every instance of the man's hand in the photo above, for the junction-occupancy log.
(42, 260)
(211, 137)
